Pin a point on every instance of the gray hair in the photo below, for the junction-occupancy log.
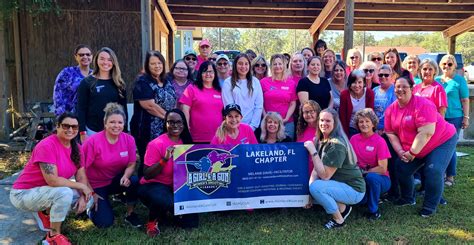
(432, 64)
(366, 113)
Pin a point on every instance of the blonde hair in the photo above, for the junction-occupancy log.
(353, 51)
(113, 109)
(290, 70)
(275, 116)
(283, 61)
(115, 72)
(447, 57)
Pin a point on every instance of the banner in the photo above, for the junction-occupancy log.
(211, 178)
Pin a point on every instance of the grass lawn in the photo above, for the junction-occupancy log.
(453, 223)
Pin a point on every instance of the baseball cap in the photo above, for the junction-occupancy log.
(205, 42)
(223, 56)
(231, 107)
(189, 52)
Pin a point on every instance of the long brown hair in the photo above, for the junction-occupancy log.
(235, 75)
(75, 153)
(115, 73)
(302, 124)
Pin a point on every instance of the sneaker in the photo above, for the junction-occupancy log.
(346, 212)
(331, 224)
(373, 216)
(448, 182)
(133, 220)
(43, 220)
(58, 239)
(152, 229)
(401, 202)
(443, 201)
(425, 213)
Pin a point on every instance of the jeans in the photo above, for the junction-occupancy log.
(290, 129)
(434, 165)
(457, 122)
(328, 193)
(159, 199)
(104, 216)
(376, 184)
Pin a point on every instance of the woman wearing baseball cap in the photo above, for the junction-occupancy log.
(232, 131)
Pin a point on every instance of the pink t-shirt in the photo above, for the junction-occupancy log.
(277, 95)
(370, 150)
(246, 136)
(49, 150)
(308, 134)
(104, 160)
(200, 60)
(205, 111)
(419, 112)
(434, 92)
(155, 151)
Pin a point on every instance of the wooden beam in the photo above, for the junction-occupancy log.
(406, 16)
(327, 15)
(248, 4)
(242, 19)
(348, 27)
(166, 12)
(459, 28)
(242, 25)
(5, 84)
(387, 28)
(146, 27)
(409, 8)
(18, 29)
(389, 22)
(452, 45)
(415, 1)
(240, 12)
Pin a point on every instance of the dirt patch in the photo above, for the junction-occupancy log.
(12, 162)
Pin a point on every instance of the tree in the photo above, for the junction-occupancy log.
(32, 7)
(229, 38)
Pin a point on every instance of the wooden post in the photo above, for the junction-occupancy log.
(348, 26)
(5, 85)
(146, 27)
(452, 45)
(18, 63)
(315, 38)
(170, 48)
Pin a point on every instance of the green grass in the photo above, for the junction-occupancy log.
(453, 223)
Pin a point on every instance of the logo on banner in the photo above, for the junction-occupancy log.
(208, 169)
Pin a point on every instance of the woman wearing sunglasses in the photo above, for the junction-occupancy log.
(377, 58)
(353, 60)
(44, 186)
(429, 88)
(457, 112)
(371, 74)
(259, 67)
(110, 157)
(68, 80)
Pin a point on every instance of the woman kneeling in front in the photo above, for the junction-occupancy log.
(336, 181)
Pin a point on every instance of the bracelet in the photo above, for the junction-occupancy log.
(162, 162)
(83, 133)
(411, 153)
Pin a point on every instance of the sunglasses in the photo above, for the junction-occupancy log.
(260, 65)
(66, 126)
(84, 54)
(384, 75)
(354, 57)
(190, 58)
(377, 59)
(212, 59)
(369, 70)
(448, 64)
(181, 68)
(222, 64)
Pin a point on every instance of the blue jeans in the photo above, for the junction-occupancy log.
(159, 199)
(104, 216)
(328, 193)
(434, 165)
(394, 190)
(457, 122)
(376, 184)
(290, 129)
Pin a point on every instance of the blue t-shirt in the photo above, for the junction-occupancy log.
(381, 101)
(456, 89)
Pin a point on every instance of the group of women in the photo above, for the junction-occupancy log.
(367, 128)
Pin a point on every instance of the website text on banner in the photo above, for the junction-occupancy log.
(211, 178)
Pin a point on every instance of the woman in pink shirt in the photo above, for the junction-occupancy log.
(353, 60)
(297, 67)
(279, 93)
(372, 158)
(43, 186)
(232, 131)
(308, 124)
(110, 157)
(156, 189)
(259, 67)
(429, 88)
(422, 139)
(202, 104)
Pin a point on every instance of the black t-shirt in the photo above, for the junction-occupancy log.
(320, 93)
(92, 96)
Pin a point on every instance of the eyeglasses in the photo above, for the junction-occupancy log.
(448, 64)
(177, 123)
(190, 58)
(377, 59)
(222, 64)
(260, 65)
(208, 72)
(212, 59)
(369, 70)
(181, 68)
(66, 126)
(354, 57)
(205, 46)
(84, 54)
(309, 112)
(383, 75)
